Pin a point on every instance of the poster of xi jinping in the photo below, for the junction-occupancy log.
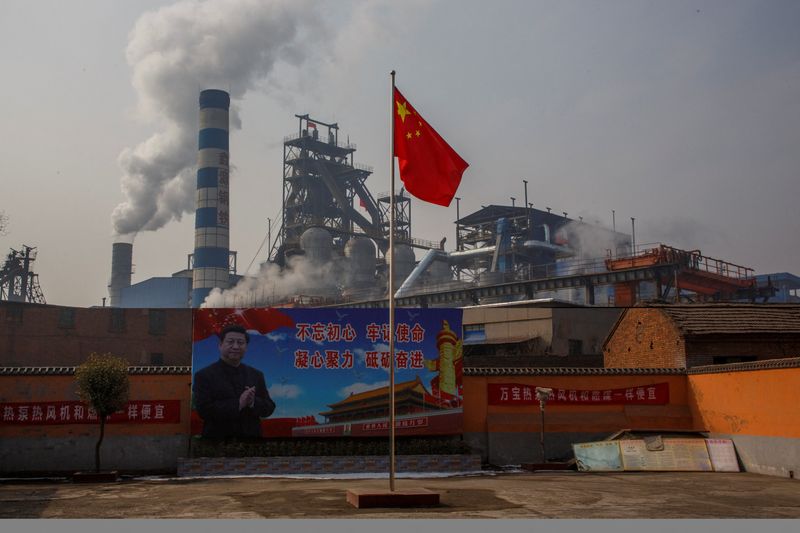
(303, 372)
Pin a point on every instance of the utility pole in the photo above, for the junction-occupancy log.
(543, 394)
(458, 217)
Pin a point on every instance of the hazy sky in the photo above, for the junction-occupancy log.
(685, 115)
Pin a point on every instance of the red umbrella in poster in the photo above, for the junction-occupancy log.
(209, 322)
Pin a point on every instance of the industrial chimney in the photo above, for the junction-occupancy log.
(211, 242)
(121, 269)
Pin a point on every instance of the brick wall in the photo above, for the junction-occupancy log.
(645, 338)
(49, 335)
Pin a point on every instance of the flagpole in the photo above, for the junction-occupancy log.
(391, 303)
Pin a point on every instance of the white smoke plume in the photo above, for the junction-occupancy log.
(594, 241)
(273, 284)
(179, 50)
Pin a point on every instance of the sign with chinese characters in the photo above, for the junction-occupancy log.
(723, 455)
(524, 394)
(74, 412)
(603, 456)
(683, 455)
(331, 366)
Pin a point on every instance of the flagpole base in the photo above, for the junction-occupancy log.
(366, 498)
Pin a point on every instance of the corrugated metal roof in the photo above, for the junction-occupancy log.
(734, 319)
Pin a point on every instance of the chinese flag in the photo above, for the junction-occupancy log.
(430, 169)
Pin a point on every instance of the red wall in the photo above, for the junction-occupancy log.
(481, 417)
(42, 388)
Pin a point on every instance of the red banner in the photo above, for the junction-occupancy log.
(519, 394)
(74, 412)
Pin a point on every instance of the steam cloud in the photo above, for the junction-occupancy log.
(302, 277)
(177, 51)
(594, 242)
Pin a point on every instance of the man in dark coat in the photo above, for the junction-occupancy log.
(230, 396)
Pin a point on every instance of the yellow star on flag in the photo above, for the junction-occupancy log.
(429, 167)
(402, 110)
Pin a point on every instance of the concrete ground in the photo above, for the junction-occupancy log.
(506, 495)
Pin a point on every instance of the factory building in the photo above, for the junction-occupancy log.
(332, 246)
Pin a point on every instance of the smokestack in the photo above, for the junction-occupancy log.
(121, 268)
(211, 234)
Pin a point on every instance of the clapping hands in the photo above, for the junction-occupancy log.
(248, 398)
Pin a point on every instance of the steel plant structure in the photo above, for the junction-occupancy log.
(502, 253)
(323, 187)
(18, 282)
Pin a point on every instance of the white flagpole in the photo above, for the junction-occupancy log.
(391, 305)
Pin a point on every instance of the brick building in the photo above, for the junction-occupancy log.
(684, 336)
(50, 335)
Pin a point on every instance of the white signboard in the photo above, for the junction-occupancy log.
(601, 456)
(682, 455)
(723, 455)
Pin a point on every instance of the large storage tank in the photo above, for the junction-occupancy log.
(360, 267)
(403, 263)
(317, 271)
(317, 244)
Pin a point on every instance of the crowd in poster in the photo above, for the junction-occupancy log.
(280, 372)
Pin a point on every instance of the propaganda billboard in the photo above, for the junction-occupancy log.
(305, 372)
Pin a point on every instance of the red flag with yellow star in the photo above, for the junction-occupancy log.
(430, 169)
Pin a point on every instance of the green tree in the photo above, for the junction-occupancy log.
(103, 383)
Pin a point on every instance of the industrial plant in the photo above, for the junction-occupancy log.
(332, 246)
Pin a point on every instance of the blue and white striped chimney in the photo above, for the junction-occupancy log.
(211, 234)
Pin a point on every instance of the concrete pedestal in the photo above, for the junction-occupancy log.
(364, 498)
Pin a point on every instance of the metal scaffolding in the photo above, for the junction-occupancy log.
(18, 282)
(321, 185)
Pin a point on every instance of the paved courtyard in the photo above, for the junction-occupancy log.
(505, 495)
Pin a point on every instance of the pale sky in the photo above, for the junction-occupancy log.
(682, 114)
